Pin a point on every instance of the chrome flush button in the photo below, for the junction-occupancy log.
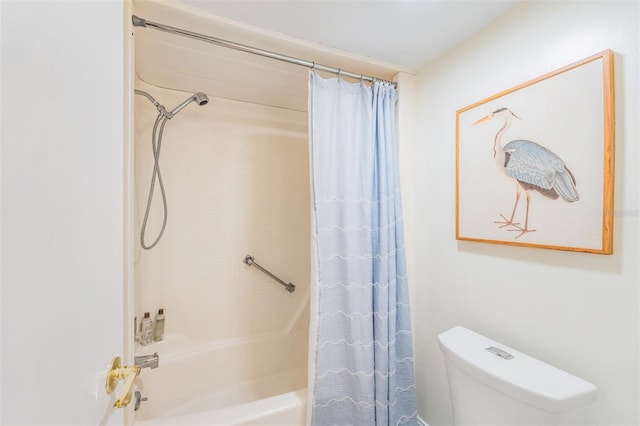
(499, 352)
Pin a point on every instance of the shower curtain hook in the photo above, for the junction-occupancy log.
(339, 72)
(361, 78)
(314, 66)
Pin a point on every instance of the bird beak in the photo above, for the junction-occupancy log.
(482, 120)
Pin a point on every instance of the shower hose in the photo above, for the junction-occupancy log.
(156, 143)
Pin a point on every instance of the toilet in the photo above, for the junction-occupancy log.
(492, 384)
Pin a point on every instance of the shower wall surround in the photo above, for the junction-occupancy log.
(236, 178)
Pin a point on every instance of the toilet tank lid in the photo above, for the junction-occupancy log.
(514, 373)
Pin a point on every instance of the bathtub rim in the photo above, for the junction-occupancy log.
(240, 413)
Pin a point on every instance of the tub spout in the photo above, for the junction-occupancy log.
(147, 361)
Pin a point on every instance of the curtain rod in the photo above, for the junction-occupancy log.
(140, 22)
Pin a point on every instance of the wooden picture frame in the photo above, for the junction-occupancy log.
(550, 140)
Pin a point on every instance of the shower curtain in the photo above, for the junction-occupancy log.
(361, 352)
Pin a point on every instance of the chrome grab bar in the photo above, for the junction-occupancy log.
(251, 262)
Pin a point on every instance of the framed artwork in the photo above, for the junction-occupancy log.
(534, 164)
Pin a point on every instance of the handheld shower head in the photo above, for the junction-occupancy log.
(162, 118)
(199, 97)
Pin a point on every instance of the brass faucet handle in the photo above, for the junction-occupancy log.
(116, 373)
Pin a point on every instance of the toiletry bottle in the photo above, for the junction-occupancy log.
(158, 331)
(146, 330)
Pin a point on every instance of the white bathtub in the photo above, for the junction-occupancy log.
(288, 409)
(254, 381)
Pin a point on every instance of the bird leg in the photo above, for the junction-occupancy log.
(526, 221)
(505, 221)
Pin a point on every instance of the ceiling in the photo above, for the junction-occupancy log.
(402, 33)
(371, 38)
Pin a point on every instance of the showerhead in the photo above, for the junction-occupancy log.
(200, 98)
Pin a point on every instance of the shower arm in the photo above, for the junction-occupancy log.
(161, 109)
(251, 262)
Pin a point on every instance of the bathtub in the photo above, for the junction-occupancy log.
(288, 409)
(248, 381)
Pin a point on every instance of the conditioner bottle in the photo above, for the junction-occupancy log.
(158, 332)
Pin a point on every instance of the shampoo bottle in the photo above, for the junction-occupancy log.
(146, 330)
(158, 332)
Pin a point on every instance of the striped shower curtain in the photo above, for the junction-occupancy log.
(361, 356)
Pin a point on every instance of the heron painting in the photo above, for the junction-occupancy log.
(533, 168)
(534, 163)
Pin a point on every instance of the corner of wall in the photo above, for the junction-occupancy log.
(406, 141)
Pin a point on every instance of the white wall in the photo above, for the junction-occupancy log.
(576, 311)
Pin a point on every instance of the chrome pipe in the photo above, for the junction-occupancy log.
(141, 22)
(161, 109)
(249, 260)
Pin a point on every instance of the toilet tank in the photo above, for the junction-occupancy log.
(493, 384)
